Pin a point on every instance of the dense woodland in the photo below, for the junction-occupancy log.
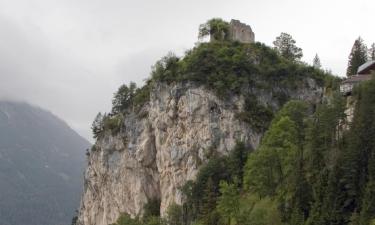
(311, 167)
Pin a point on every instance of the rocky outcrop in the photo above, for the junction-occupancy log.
(161, 147)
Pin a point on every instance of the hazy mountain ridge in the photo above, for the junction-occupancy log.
(41, 164)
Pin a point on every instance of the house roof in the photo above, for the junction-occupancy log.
(357, 78)
(365, 66)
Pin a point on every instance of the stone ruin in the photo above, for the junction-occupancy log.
(240, 32)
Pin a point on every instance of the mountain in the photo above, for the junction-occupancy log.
(41, 166)
(192, 109)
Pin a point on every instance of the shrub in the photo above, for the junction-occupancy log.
(113, 123)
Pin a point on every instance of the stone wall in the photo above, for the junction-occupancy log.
(241, 32)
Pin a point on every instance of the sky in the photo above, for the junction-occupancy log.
(70, 56)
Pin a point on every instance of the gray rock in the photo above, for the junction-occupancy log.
(184, 123)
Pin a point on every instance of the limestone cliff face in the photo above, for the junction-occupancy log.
(160, 148)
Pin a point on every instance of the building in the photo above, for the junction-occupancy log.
(238, 31)
(363, 74)
(241, 32)
(366, 68)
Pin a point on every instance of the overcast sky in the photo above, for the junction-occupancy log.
(70, 56)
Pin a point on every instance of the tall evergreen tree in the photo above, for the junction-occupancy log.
(97, 125)
(228, 203)
(316, 62)
(357, 57)
(286, 46)
(123, 98)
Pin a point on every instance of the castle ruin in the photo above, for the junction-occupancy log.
(240, 32)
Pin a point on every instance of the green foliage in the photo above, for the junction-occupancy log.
(175, 215)
(307, 170)
(113, 123)
(217, 28)
(286, 46)
(97, 125)
(255, 114)
(357, 57)
(202, 194)
(130, 98)
(268, 168)
(265, 212)
(316, 62)
(229, 67)
(227, 204)
(358, 163)
(123, 98)
(125, 219)
(152, 208)
(142, 95)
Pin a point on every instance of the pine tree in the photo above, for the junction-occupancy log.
(97, 125)
(286, 46)
(316, 62)
(208, 213)
(227, 204)
(123, 98)
(357, 57)
(372, 52)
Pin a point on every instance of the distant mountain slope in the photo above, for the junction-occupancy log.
(41, 166)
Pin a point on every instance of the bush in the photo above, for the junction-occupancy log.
(152, 208)
(113, 123)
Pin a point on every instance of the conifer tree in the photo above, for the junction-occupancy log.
(97, 125)
(357, 57)
(228, 202)
(316, 62)
(123, 98)
(286, 46)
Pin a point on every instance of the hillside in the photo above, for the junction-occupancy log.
(41, 165)
(193, 109)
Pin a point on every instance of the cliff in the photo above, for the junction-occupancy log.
(161, 146)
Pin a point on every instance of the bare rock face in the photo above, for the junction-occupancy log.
(162, 147)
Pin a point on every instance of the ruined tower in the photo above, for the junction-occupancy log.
(240, 32)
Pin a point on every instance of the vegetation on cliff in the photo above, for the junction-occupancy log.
(307, 170)
(227, 68)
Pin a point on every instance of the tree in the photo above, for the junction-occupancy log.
(372, 52)
(316, 62)
(97, 125)
(175, 215)
(287, 48)
(264, 212)
(357, 57)
(228, 202)
(209, 215)
(216, 28)
(123, 98)
(152, 208)
(269, 168)
(125, 219)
